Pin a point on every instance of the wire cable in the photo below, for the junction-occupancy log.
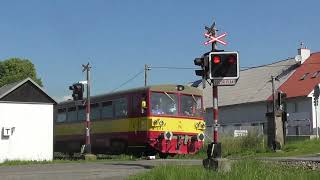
(131, 79)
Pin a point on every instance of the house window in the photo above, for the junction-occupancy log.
(304, 76)
(316, 74)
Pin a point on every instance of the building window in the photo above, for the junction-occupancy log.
(304, 76)
(81, 113)
(62, 115)
(72, 114)
(316, 74)
(95, 111)
(295, 107)
(107, 110)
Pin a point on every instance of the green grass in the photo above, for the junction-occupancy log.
(65, 159)
(255, 146)
(298, 148)
(239, 146)
(245, 170)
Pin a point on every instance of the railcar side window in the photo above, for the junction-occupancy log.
(191, 105)
(121, 107)
(164, 103)
(107, 110)
(95, 111)
(72, 114)
(81, 113)
(61, 116)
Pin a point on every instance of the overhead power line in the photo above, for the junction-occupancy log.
(193, 68)
(129, 80)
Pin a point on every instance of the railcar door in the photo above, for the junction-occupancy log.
(138, 120)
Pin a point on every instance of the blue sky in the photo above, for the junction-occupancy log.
(119, 36)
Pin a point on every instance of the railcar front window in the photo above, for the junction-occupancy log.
(164, 103)
(191, 106)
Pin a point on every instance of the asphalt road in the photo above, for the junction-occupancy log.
(84, 171)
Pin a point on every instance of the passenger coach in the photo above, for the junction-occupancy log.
(164, 119)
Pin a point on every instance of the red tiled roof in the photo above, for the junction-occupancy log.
(294, 86)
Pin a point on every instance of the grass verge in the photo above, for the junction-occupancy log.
(241, 170)
(255, 146)
(67, 159)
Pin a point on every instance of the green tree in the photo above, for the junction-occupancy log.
(16, 69)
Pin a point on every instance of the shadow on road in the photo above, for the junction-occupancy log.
(138, 165)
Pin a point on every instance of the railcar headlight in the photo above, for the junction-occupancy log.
(168, 135)
(200, 125)
(200, 137)
(155, 122)
(158, 122)
(161, 123)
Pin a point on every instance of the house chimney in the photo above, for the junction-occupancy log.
(303, 53)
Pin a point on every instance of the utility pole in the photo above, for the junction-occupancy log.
(273, 111)
(316, 93)
(87, 148)
(146, 68)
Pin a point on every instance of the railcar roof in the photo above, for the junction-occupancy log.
(163, 87)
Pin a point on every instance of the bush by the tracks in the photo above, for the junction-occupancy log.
(244, 145)
(241, 170)
(233, 146)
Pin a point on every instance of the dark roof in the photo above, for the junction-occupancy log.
(25, 91)
(4, 90)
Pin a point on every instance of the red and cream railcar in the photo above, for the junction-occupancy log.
(164, 119)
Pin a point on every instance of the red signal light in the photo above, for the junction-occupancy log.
(216, 59)
(232, 59)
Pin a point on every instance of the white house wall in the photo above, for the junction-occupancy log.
(300, 112)
(31, 136)
(244, 114)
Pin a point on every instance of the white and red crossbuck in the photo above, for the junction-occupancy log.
(214, 39)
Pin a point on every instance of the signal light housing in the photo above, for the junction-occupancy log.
(77, 91)
(224, 65)
(204, 63)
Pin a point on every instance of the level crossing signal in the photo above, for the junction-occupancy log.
(280, 99)
(203, 62)
(77, 91)
(224, 65)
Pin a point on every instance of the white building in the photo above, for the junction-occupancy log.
(26, 122)
(247, 103)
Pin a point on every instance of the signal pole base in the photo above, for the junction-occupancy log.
(90, 157)
(217, 164)
(86, 153)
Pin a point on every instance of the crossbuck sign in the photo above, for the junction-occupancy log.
(214, 39)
